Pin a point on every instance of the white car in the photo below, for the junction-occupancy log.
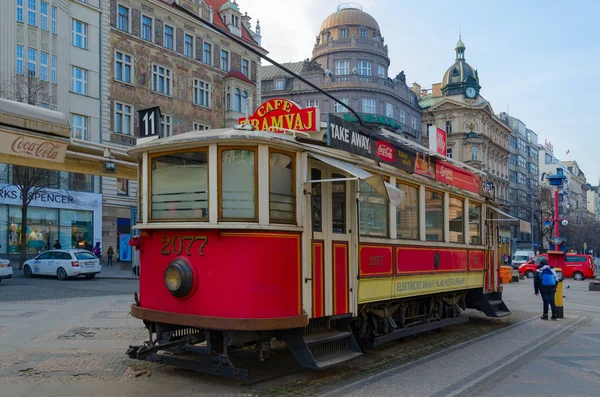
(6, 270)
(63, 264)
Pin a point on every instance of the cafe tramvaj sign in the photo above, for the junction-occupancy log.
(285, 114)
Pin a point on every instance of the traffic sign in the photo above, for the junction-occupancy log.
(547, 223)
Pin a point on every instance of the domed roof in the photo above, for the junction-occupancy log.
(349, 16)
(460, 71)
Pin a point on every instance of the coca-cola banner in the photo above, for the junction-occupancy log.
(33, 148)
(452, 175)
(347, 136)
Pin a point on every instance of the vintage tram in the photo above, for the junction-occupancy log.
(245, 236)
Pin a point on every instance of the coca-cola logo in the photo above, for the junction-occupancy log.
(441, 142)
(44, 150)
(385, 151)
(446, 173)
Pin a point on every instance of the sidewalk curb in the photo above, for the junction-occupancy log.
(117, 277)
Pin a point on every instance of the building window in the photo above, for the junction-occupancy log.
(282, 199)
(78, 80)
(521, 161)
(31, 12)
(79, 127)
(19, 54)
(19, 10)
(197, 126)
(44, 66)
(413, 122)
(364, 68)
(475, 223)
(79, 34)
(161, 80)
(188, 45)
(389, 110)
(343, 33)
(237, 100)
(369, 106)
(362, 33)
(123, 67)
(31, 62)
(208, 53)
(407, 213)
(123, 118)
(381, 71)
(53, 20)
(474, 153)
(81, 183)
(44, 15)
(521, 178)
(201, 93)
(238, 188)
(122, 187)
(512, 159)
(278, 85)
(147, 28)
(457, 211)
(342, 68)
(224, 60)
(166, 129)
(448, 126)
(312, 103)
(245, 67)
(168, 37)
(245, 108)
(434, 216)
(449, 152)
(337, 108)
(123, 19)
(402, 116)
(53, 69)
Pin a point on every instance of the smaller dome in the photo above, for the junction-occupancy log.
(349, 16)
(460, 45)
(458, 73)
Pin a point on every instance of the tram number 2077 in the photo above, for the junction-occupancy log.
(177, 245)
(376, 261)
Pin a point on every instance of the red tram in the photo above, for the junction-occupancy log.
(246, 236)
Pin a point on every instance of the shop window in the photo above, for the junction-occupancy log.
(316, 200)
(238, 184)
(457, 212)
(434, 216)
(76, 229)
(475, 223)
(82, 182)
(122, 187)
(179, 186)
(338, 205)
(282, 197)
(373, 211)
(407, 213)
(41, 231)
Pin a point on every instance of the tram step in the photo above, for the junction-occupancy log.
(492, 306)
(329, 336)
(336, 358)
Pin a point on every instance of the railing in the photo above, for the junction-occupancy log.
(371, 45)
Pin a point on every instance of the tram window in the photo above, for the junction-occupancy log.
(434, 216)
(338, 205)
(457, 223)
(238, 184)
(282, 200)
(475, 223)
(316, 201)
(179, 186)
(407, 213)
(373, 211)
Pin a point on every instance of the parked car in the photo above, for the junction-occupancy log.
(521, 257)
(63, 264)
(6, 270)
(577, 266)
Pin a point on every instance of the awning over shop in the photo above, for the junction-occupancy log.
(524, 227)
(393, 194)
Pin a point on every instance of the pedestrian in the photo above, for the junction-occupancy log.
(57, 245)
(97, 250)
(544, 283)
(109, 253)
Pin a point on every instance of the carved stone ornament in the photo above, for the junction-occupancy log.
(310, 66)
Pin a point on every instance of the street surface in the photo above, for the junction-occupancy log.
(68, 338)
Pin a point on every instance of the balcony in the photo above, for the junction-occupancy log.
(353, 43)
(355, 80)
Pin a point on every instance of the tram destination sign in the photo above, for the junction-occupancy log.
(352, 138)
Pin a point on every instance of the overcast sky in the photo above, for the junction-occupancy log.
(537, 59)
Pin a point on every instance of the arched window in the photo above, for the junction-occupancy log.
(228, 99)
(238, 100)
(245, 102)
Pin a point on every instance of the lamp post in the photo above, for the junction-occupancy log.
(556, 181)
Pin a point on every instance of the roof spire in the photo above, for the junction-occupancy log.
(460, 47)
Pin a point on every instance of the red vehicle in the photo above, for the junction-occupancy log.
(577, 266)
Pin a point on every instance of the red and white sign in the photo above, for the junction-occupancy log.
(437, 140)
(452, 175)
(385, 151)
(285, 114)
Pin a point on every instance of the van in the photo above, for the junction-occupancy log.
(577, 266)
(521, 257)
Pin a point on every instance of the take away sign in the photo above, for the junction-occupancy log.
(282, 113)
(437, 140)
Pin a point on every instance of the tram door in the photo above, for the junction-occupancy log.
(491, 267)
(331, 220)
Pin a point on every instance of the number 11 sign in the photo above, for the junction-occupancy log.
(149, 122)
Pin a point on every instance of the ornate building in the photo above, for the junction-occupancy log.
(475, 135)
(350, 60)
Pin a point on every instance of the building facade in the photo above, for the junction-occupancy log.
(51, 57)
(593, 204)
(578, 194)
(523, 175)
(161, 54)
(350, 61)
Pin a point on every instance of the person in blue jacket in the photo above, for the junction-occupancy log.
(544, 283)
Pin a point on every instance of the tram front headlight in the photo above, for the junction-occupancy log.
(179, 278)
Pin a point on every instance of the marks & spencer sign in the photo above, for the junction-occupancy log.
(282, 113)
(33, 148)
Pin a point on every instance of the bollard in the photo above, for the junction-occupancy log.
(558, 297)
